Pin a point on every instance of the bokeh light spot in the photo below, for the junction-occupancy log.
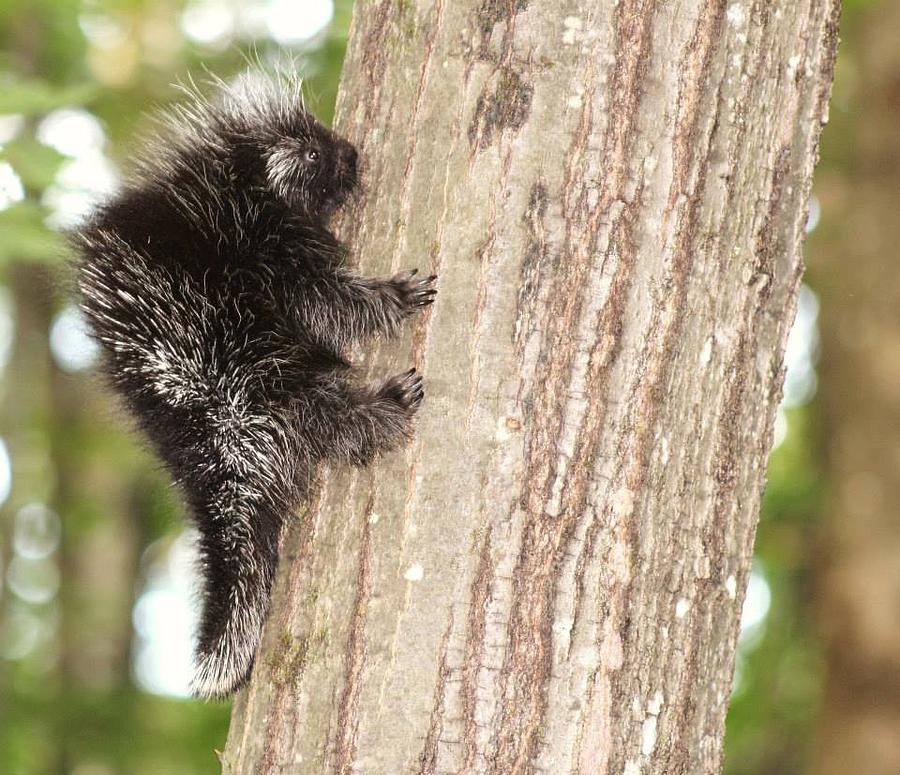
(209, 22)
(800, 356)
(34, 581)
(757, 601)
(70, 341)
(37, 531)
(11, 188)
(72, 131)
(10, 126)
(815, 214)
(80, 185)
(165, 617)
(290, 22)
(5, 472)
(20, 634)
(7, 326)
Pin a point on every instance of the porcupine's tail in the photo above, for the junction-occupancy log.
(239, 554)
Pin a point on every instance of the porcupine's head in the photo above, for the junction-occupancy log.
(310, 167)
(281, 144)
(256, 133)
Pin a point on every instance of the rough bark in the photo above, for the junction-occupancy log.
(855, 270)
(549, 579)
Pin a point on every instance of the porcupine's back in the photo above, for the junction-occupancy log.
(175, 270)
(189, 366)
(191, 374)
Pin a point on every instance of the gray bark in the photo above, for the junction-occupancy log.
(549, 579)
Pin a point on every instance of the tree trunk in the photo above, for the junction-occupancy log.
(550, 577)
(25, 418)
(855, 270)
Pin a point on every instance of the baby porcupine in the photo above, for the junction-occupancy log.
(224, 313)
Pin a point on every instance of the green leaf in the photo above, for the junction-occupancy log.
(31, 97)
(35, 163)
(26, 237)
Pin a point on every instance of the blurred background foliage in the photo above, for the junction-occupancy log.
(95, 570)
(96, 603)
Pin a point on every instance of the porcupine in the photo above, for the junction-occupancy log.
(225, 313)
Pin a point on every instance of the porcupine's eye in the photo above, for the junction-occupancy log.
(311, 156)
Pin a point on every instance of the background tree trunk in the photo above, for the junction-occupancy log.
(550, 577)
(855, 270)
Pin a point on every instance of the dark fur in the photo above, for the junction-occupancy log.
(224, 312)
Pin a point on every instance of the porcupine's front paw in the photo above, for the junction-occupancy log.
(405, 390)
(411, 294)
